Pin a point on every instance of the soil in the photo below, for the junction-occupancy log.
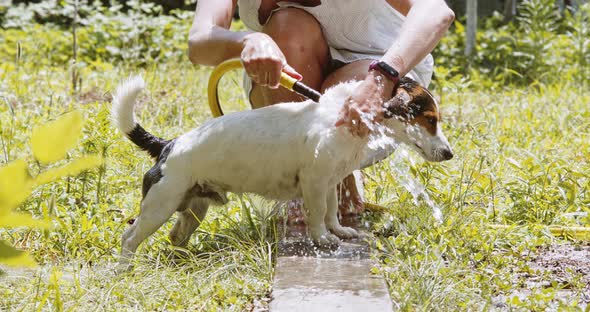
(562, 266)
(564, 262)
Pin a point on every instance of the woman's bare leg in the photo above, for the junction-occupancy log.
(299, 36)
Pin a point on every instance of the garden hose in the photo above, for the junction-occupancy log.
(577, 232)
(286, 81)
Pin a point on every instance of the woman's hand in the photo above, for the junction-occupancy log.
(264, 61)
(365, 106)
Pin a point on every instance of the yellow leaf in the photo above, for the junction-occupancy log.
(73, 168)
(14, 257)
(51, 141)
(14, 219)
(459, 28)
(15, 185)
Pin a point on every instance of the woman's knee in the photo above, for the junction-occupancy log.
(296, 32)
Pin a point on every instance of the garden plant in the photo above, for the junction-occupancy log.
(517, 113)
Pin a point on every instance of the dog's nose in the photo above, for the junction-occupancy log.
(447, 154)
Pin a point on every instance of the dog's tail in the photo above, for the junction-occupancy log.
(123, 117)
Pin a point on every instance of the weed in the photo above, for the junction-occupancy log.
(521, 160)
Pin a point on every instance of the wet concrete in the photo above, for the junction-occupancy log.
(308, 278)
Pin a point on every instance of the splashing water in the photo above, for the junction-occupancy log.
(381, 137)
(326, 138)
(399, 166)
(381, 140)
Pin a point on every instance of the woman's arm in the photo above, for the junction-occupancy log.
(210, 41)
(426, 23)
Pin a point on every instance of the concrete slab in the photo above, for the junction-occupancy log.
(313, 279)
(318, 284)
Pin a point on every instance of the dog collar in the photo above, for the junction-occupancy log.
(386, 70)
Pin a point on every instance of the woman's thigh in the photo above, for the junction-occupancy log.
(299, 36)
(356, 70)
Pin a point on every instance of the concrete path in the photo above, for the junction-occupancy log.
(311, 279)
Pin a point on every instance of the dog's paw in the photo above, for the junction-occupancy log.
(326, 239)
(333, 239)
(344, 232)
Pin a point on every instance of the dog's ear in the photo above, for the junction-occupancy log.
(399, 105)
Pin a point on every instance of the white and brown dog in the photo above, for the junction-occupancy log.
(284, 151)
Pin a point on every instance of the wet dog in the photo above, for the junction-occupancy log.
(284, 151)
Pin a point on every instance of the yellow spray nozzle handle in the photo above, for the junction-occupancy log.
(286, 81)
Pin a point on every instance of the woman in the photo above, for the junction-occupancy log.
(324, 42)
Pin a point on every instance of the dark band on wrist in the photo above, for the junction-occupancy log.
(386, 70)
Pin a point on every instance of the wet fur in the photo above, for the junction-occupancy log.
(284, 151)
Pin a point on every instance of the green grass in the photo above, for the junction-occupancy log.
(521, 158)
(231, 264)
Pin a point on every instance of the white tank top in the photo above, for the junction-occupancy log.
(354, 29)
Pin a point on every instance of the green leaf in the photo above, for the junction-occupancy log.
(15, 185)
(70, 169)
(14, 219)
(515, 300)
(14, 257)
(52, 141)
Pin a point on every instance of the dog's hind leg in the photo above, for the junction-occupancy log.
(188, 221)
(314, 199)
(331, 219)
(160, 202)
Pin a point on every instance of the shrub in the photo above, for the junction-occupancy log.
(539, 46)
(105, 36)
(16, 183)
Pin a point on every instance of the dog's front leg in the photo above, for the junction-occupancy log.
(156, 208)
(332, 222)
(314, 199)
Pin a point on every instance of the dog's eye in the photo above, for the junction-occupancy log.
(432, 121)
